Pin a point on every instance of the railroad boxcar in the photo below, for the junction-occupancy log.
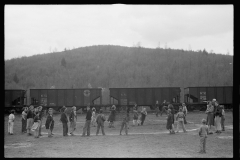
(196, 97)
(14, 99)
(144, 96)
(56, 98)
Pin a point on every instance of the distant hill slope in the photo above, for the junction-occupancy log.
(116, 66)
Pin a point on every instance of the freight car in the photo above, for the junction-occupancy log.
(14, 99)
(56, 98)
(196, 97)
(144, 96)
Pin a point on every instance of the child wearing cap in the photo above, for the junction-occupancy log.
(180, 119)
(49, 122)
(11, 119)
(73, 120)
(203, 132)
(93, 118)
(169, 122)
(100, 122)
(64, 121)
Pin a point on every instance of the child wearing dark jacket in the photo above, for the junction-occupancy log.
(64, 121)
(50, 122)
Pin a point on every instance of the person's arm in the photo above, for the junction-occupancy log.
(200, 131)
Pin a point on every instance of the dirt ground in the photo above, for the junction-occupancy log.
(150, 140)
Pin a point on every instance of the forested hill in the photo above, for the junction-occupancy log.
(116, 66)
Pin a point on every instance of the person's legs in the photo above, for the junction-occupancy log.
(184, 118)
(204, 144)
(126, 128)
(40, 126)
(102, 127)
(88, 127)
(122, 125)
(201, 144)
(11, 127)
(98, 127)
(177, 127)
(8, 127)
(222, 123)
(183, 127)
(84, 128)
(143, 119)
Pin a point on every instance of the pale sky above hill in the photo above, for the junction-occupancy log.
(37, 29)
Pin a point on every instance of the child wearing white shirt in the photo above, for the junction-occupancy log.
(11, 122)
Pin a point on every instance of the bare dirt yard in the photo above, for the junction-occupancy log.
(150, 140)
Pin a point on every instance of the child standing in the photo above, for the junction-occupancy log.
(24, 120)
(93, 119)
(203, 132)
(64, 121)
(125, 123)
(180, 119)
(49, 122)
(30, 117)
(11, 119)
(135, 116)
(73, 120)
(41, 113)
(184, 109)
(111, 117)
(169, 121)
(87, 123)
(143, 115)
(223, 118)
(36, 125)
(170, 106)
(100, 122)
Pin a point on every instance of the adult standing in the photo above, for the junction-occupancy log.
(210, 114)
(184, 109)
(24, 120)
(64, 121)
(88, 122)
(30, 117)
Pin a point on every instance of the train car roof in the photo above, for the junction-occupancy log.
(15, 90)
(145, 88)
(65, 89)
(208, 87)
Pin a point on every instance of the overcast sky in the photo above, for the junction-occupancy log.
(37, 29)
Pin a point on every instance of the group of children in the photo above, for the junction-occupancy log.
(32, 120)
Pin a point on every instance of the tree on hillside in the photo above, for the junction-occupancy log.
(15, 78)
(63, 62)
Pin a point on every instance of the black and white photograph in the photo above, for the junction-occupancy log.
(118, 80)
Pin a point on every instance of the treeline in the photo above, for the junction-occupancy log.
(116, 66)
